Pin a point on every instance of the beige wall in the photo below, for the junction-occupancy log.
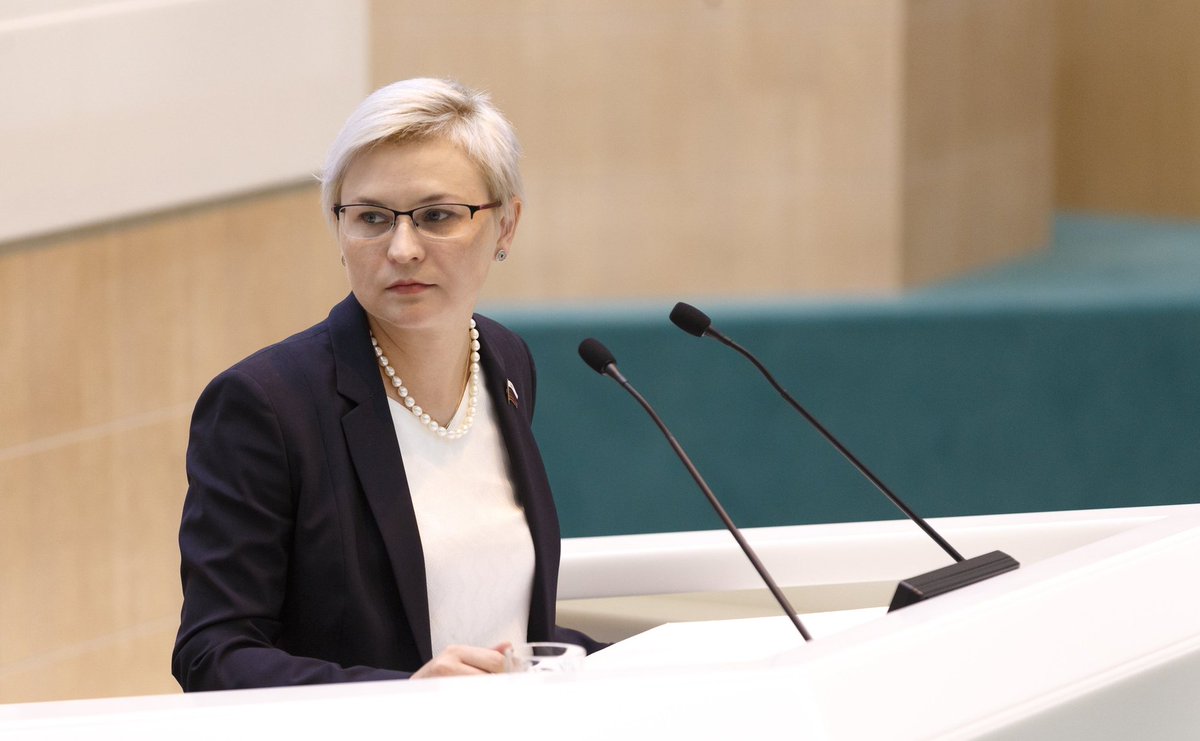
(1128, 106)
(978, 151)
(108, 337)
(683, 148)
(675, 148)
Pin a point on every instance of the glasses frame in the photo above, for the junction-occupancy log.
(339, 208)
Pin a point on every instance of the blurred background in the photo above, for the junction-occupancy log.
(966, 233)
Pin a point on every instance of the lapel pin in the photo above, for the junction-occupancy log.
(511, 392)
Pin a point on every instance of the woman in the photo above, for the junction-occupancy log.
(366, 499)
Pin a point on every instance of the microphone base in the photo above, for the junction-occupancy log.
(949, 578)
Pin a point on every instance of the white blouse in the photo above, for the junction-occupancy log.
(478, 551)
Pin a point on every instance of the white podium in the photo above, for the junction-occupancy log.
(1100, 641)
(1096, 636)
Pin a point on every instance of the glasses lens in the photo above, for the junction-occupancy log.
(366, 222)
(442, 221)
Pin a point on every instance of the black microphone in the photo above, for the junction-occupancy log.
(962, 573)
(601, 360)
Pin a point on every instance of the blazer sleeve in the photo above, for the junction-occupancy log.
(234, 541)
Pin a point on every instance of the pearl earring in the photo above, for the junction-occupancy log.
(501, 256)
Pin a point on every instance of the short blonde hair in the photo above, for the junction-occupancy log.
(422, 108)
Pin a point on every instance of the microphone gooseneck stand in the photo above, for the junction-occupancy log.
(962, 573)
(599, 359)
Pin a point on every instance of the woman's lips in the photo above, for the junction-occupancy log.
(407, 287)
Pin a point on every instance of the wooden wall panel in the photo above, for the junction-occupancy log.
(130, 318)
(90, 563)
(978, 151)
(799, 147)
(109, 335)
(682, 147)
(1128, 106)
(127, 663)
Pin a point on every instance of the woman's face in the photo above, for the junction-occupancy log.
(403, 279)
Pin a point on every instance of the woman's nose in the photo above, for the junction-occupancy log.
(405, 244)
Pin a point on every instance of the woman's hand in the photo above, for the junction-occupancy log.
(463, 660)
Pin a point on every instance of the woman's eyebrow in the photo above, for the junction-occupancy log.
(432, 198)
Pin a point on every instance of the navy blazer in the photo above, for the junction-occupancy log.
(301, 559)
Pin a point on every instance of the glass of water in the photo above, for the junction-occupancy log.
(557, 658)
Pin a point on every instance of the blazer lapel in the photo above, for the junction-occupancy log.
(371, 439)
(528, 473)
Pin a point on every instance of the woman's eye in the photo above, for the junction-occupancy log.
(437, 214)
(374, 217)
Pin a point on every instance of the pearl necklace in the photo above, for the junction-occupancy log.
(411, 404)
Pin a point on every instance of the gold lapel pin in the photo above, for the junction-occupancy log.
(511, 392)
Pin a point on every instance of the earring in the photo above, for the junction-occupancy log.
(343, 261)
(501, 255)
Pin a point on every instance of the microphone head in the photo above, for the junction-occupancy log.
(596, 355)
(690, 319)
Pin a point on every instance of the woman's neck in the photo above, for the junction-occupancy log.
(432, 364)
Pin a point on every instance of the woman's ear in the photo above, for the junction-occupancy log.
(508, 227)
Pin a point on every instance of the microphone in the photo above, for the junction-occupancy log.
(962, 573)
(599, 359)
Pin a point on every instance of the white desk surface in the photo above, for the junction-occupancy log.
(723, 642)
(1072, 636)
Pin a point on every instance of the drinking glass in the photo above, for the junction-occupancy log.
(544, 657)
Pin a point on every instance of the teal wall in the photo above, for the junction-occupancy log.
(1066, 381)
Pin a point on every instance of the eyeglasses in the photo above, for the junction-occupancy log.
(436, 221)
